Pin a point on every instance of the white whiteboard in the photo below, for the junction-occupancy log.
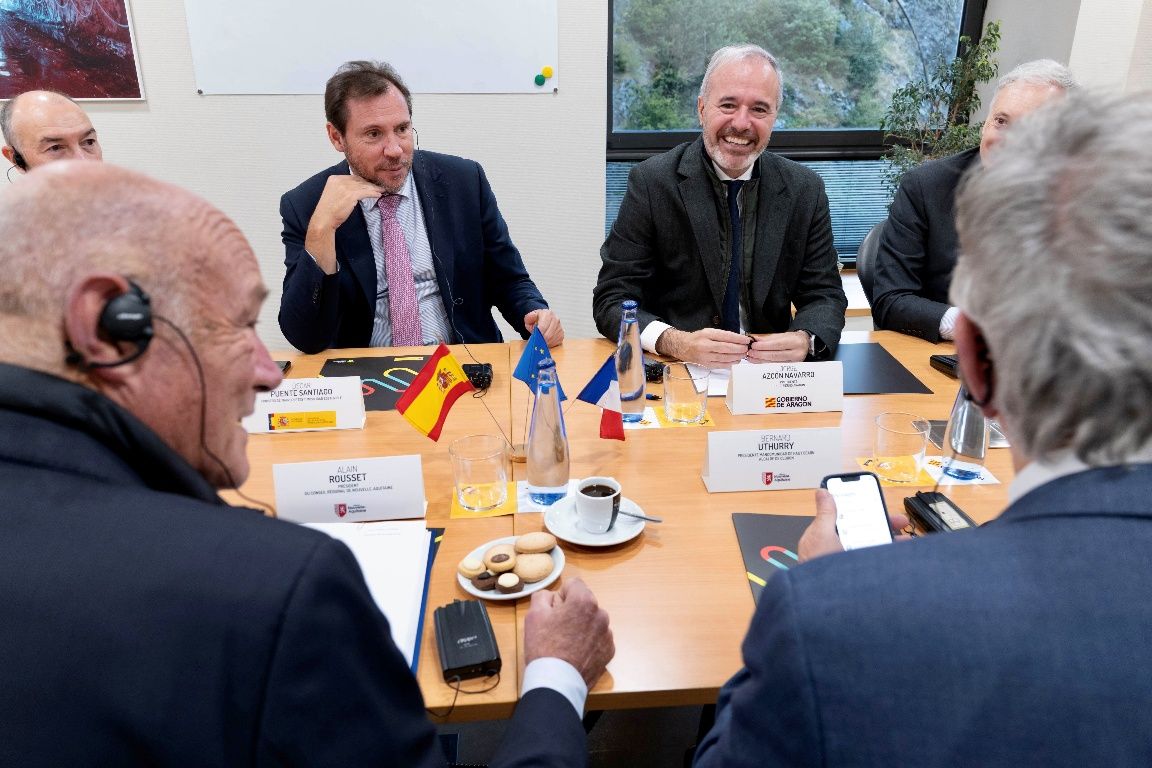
(438, 46)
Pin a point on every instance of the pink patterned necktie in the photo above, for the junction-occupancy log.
(403, 308)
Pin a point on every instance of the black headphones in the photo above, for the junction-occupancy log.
(18, 160)
(125, 318)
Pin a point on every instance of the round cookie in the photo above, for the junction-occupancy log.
(533, 567)
(470, 567)
(540, 541)
(500, 558)
(484, 581)
(508, 583)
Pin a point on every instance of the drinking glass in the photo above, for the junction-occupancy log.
(685, 393)
(480, 471)
(898, 452)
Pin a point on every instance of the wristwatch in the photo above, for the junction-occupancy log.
(811, 342)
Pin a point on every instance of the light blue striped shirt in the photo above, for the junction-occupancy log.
(433, 319)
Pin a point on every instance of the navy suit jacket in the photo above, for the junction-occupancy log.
(1025, 642)
(144, 622)
(918, 247)
(477, 266)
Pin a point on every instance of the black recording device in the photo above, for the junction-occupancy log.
(126, 318)
(465, 641)
(284, 365)
(936, 513)
(480, 374)
(654, 371)
(946, 364)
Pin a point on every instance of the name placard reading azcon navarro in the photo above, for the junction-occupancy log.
(301, 405)
(786, 387)
(350, 490)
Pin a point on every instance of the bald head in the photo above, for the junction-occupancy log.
(71, 219)
(43, 126)
(74, 237)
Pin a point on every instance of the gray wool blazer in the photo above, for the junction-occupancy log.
(665, 250)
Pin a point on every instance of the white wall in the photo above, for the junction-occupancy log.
(1027, 33)
(1106, 43)
(543, 155)
(1111, 48)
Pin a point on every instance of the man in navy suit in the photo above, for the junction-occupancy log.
(396, 246)
(1026, 641)
(145, 621)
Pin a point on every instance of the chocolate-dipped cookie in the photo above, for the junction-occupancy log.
(484, 581)
(508, 583)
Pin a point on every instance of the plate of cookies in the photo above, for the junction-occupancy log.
(511, 567)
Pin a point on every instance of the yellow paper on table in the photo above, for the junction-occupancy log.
(922, 479)
(507, 508)
(662, 420)
(302, 420)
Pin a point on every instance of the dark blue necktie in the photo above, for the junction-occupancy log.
(731, 311)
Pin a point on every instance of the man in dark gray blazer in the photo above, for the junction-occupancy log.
(716, 239)
(1023, 642)
(917, 250)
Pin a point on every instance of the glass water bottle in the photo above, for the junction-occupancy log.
(630, 364)
(547, 440)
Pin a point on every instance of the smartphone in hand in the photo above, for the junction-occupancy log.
(861, 516)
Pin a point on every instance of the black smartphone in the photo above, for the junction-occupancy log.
(284, 365)
(935, 512)
(861, 516)
(946, 364)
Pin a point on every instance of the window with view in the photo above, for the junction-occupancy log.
(841, 61)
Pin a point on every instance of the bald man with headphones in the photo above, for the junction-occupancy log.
(44, 126)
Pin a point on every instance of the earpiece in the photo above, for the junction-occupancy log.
(125, 318)
(18, 160)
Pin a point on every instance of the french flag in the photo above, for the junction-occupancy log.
(604, 391)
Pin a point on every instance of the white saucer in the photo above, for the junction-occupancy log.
(560, 519)
(492, 594)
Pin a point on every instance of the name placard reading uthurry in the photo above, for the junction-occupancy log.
(768, 460)
(300, 405)
(786, 387)
(350, 490)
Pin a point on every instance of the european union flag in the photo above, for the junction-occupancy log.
(529, 364)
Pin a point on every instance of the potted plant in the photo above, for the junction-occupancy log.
(927, 119)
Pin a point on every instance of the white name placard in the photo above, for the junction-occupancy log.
(302, 405)
(786, 387)
(770, 459)
(350, 490)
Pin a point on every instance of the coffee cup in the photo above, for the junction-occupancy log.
(597, 504)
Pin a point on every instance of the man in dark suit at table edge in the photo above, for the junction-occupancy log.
(146, 622)
(1025, 641)
(918, 244)
(671, 246)
(397, 246)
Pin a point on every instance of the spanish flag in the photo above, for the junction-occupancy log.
(433, 392)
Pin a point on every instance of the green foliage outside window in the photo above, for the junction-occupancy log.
(842, 59)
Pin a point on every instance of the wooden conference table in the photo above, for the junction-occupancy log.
(678, 596)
